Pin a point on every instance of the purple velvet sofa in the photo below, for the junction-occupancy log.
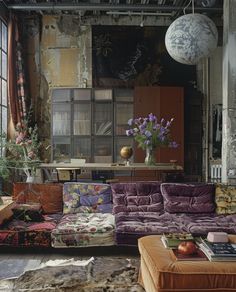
(144, 208)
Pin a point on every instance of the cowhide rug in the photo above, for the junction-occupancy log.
(103, 274)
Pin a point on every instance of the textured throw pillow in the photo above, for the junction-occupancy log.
(86, 197)
(28, 212)
(225, 198)
(188, 198)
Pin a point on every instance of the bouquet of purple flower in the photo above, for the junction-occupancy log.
(151, 133)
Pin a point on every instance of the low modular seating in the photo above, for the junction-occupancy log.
(37, 210)
(82, 214)
(87, 219)
(145, 208)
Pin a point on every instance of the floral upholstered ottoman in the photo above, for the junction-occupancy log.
(87, 219)
(84, 229)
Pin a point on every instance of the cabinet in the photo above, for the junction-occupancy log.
(167, 103)
(90, 123)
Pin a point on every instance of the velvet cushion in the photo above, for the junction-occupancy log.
(137, 197)
(225, 198)
(86, 197)
(188, 198)
(28, 212)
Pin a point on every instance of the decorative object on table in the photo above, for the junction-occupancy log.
(151, 134)
(126, 152)
(187, 248)
(197, 256)
(217, 237)
(23, 151)
(172, 240)
(191, 37)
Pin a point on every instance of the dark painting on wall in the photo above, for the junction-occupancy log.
(129, 56)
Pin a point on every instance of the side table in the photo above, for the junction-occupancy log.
(160, 272)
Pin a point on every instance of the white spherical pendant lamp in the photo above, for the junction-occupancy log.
(190, 38)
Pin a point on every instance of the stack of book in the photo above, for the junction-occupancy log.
(172, 240)
(218, 251)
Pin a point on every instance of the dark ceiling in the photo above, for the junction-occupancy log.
(162, 8)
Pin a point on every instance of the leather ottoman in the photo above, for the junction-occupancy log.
(160, 272)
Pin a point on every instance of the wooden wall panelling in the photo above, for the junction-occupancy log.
(167, 103)
(146, 100)
(172, 106)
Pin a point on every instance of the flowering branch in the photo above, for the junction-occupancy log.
(23, 153)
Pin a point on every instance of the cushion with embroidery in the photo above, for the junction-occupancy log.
(225, 199)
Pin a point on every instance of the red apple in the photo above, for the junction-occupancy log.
(187, 248)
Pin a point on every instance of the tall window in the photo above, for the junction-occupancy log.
(3, 77)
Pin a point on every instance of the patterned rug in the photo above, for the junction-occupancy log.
(103, 274)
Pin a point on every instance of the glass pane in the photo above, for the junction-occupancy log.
(124, 94)
(61, 95)
(82, 94)
(82, 148)
(119, 143)
(103, 150)
(61, 119)
(4, 37)
(4, 92)
(4, 65)
(82, 119)
(4, 120)
(61, 149)
(124, 112)
(0, 64)
(103, 119)
(103, 94)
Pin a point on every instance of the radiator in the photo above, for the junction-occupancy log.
(216, 172)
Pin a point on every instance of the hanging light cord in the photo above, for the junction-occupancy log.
(188, 6)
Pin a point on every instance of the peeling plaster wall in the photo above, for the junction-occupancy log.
(66, 52)
(59, 54)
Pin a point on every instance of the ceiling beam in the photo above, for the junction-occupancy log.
(108, 7)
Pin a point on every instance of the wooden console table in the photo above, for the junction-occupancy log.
(132, 168)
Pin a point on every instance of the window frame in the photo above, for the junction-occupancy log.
(3, 80)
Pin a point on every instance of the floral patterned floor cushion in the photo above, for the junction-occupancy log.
(32, 234)
(84, 229)
(87, 197)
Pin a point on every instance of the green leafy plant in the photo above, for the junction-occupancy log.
(23, 151)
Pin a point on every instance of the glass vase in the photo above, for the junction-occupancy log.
(150, 158)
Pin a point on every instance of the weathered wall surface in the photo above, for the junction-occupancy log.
(229, 95)
(59, 54)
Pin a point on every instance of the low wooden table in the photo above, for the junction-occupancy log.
(5, 209)
(160, 272)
